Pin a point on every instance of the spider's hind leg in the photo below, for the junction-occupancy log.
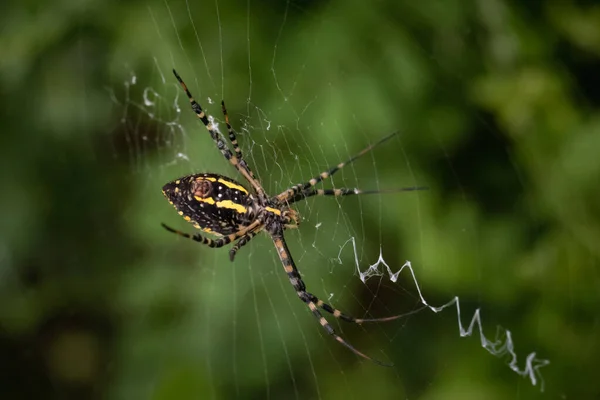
(231, 133)
(237, 161)
(240, 243)
(245, 234)
(202, 239)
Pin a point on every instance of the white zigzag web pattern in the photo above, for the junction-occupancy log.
(500, 347)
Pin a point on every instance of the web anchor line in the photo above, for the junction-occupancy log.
(503, 344)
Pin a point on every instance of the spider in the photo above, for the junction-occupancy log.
(221, 206)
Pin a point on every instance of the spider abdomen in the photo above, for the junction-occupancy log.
(211, 202)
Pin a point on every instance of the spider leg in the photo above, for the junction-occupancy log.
(298, 284)
(348, 318)
(242, 242)
(234, 142)
(225, 240)
(301, 187)
(239, 164)
(231, 132)
(346, 192)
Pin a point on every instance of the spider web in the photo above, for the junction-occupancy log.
(300, 105)
(494, 269)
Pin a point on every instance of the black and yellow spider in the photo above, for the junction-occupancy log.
(221, 206)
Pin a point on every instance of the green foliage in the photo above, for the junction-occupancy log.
(498, 105)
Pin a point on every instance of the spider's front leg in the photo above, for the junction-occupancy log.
(290, 194)
(310, 300)
(291, 219)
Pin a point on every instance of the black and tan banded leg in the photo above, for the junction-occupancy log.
(240, 243)
(347, 192)
(223, 241)
(345, 317)
(231, 132)
(240, 165)
(300, 287)
(233, 139)
(302, 187)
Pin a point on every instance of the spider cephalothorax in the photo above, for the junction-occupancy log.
(221, 206)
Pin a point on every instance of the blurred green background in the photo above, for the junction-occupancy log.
(498, 106)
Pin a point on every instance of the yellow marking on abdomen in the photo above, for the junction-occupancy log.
(208, 200)
(233, 185)
(206, 178)
(231, 205)
(223, 204)
(273, 210)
